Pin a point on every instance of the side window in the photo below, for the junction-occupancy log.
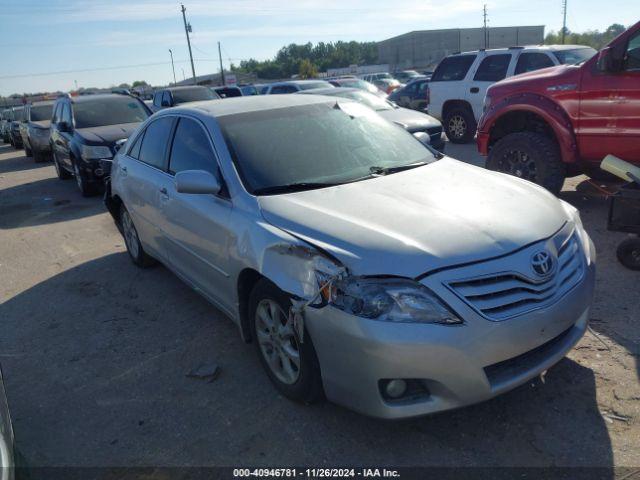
(411, 89)
(453, 68)
(191, 149)
(632, 56)
(279, 89)
(493, 68)
(66, 114)
(166, 97)
(423, 87)
(134, 150)
(154, 144)
(157, 99)
(530, 61)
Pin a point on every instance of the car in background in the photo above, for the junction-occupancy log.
(413, 95)
(14, 127)
(405, 76)
(248, 90)
(262, 88)
(293, 86)
(412, 121)
(387, 85)
(5, 123)
(173, 96)
(7, 441)
(36, 131)
(372, 77)
(228, 91)
(86, 133)
(363, 268)
(460, 82)
(355, 82)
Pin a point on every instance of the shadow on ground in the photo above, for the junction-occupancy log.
(18, 162)
(95, 361)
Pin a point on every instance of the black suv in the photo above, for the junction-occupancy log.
(35, 135)
(172, 96)
(86, 132)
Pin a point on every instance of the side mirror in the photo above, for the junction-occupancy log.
(423, 138)
(64, 127)
(197, 182)
(119, 143)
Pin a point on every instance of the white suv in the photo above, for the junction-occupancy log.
(459, 83)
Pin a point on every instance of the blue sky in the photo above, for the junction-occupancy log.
(42, 39)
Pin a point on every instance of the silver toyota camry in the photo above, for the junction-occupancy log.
(360, 265)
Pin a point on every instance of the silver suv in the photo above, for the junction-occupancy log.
(356, 262)
(459, 83)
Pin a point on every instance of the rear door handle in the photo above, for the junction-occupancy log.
(474, 90)
(164, 191)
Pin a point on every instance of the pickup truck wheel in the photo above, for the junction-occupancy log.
(292, 366)
(460, 125)
(628, 253)
(132, 241)
(531, 156)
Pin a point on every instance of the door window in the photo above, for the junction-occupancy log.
(134, 151)
(154, 144)
(66, 114)
(493, 68)
(166, 97)
(530, 61)
(632, 57)
(279, 89)
(191, 149)
(453, 68)
(157, 99)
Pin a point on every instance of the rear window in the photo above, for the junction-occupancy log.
(573, 57)
(453, 68)
(493, 68)
(194, 94)
(228, 92)
(41, 112)
(109, 111)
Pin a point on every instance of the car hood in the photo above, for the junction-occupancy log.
(44, 124)
(410, 119)
(538, 79)
(107, 134)
(419, 220)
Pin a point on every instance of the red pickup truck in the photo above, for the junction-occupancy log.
(561, 121)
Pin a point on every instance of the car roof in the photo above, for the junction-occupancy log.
(99, 96)
(525, 48)
(183, 87)
(42, 102)
(297, 82)
(252, 103)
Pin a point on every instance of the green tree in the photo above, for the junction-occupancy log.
(307, 69)
(139, 83)
(591, 38)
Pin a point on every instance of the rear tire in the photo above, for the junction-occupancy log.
(532, 156)
(132, 241)
(460, 125)
(278, 347)
(628, 253)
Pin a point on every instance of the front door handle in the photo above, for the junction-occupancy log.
(163, 191)
(474, 90)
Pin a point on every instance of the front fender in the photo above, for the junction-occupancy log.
(545, 108)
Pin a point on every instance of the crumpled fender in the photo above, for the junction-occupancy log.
(544, 107)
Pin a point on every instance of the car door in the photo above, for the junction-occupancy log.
(145, 180)
(196, 227)
(63, 138)
(493, 68)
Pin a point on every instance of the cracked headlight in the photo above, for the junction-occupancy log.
(390, 300)
(94, 152)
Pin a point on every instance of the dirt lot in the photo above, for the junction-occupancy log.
(95, 353)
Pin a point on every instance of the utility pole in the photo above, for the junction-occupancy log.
(184, 77)
(564, 19)
(187, 29)
(486, 36)
(173, 68)
(221, 67)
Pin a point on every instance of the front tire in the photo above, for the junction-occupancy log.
(460, 125)
(60, 170)
(292, 366)
(86, 188)
(28, 152)
(532, 156)
(132, 241)
(628, 253)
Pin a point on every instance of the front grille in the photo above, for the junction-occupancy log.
(504, 295)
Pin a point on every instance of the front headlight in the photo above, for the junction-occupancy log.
(574, 215)
(388, 299)
(93, 152)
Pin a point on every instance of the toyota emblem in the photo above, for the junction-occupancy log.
(542, 263)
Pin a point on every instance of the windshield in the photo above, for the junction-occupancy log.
(322, 143)
(573, 57)
(41, 112)
(370, 100)
(314, 85)
(108, 111)
(17, 114)
(195, 94)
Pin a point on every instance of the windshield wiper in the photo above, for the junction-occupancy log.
(292, 187)
(399, 168)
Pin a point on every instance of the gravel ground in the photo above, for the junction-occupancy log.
(95, 355)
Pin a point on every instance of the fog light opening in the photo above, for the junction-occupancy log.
(403, 390)
(395, 388)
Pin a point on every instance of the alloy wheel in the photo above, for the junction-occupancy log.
(457, 126)
(130, 235)
(278, 341)
(519, 164)
(76, 173)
